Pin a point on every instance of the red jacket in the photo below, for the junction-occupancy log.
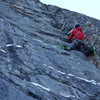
(76, 34)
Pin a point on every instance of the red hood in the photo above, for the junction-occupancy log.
(79, 28)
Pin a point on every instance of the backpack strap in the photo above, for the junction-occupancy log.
(75, 35)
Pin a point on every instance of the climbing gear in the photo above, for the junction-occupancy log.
(94, 49)
(90, 50)
(66, 48)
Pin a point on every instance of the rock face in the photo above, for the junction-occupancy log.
(32, 65)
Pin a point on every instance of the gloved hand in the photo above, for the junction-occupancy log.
(68, 34)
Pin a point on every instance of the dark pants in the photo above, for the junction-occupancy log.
(79, 45)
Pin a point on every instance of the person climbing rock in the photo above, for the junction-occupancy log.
(76, 33)
(76, 37)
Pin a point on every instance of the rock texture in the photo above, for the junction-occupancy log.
(32, 65)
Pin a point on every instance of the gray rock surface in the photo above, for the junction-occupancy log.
(32, 65)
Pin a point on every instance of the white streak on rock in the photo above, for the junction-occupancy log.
(70, 75)
(67, 77)
(66, 95)
(44, 64)
(60, 72)
(2, 50)
(36, 84)
(18, 46)
(90, 81)
(56, 70)
(8, 45)
(98, 83)
(50, 67)
(40, 41)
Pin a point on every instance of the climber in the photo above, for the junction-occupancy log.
(76, 37)
(76, 33)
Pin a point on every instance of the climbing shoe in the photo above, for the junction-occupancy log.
(68, 48)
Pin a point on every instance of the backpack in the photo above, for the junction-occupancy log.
(90, 50)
